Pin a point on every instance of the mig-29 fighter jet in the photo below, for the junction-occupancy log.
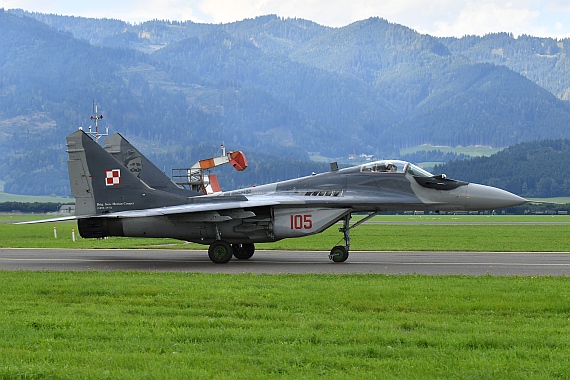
(112, 200)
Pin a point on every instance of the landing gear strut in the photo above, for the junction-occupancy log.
(339, 253)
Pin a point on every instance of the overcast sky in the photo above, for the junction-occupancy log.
(542, 18)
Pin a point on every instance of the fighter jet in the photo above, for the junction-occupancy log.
(114, 199)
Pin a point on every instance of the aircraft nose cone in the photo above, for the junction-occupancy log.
(481, 197)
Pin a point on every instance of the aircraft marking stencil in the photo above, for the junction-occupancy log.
(146, 203)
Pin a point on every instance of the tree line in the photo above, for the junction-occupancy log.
(530, 169)
(30, 207)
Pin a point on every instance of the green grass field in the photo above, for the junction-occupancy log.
(145, 325)
(448, 232)
(5, 197)
(474, 151)
(96, 325)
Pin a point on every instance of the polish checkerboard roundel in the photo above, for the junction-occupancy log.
(113, 177)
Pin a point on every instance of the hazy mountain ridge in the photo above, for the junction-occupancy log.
(266, 86)
(544, 61)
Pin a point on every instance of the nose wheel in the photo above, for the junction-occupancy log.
(339, 253)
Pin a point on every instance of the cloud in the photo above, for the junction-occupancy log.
(179, 10)
(558, 5)
(487, 17)
(127, 10)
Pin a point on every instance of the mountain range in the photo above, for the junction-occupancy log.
(275, 88)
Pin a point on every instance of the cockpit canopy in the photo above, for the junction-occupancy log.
(421, 176)
(394, 166)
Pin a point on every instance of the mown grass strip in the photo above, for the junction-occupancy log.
(448, 234)
(133, 325)
(488, 238)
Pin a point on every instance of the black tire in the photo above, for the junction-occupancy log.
(243, 251)
(220, 252)
(339, 254)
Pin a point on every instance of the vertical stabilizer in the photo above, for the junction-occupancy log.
(134, 161)
(100, 184)
(79, 178)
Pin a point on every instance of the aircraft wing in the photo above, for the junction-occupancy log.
(212, 205)
(215, 203)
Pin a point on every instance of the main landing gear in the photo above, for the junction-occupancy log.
(221, 252)
(339, 253)
(243, 251)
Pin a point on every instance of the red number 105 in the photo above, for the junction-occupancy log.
(299, 222)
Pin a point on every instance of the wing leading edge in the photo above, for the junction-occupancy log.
(214, 205)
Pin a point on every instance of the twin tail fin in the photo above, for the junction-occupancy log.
(101, 184)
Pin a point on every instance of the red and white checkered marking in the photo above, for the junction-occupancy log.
(113, 177)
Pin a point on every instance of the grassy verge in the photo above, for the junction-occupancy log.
(474, 151)
(42, 236)
(171, 325)
(442, 233)
(131, 325)
(491, 238)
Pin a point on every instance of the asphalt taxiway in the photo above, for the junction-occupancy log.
(276, 262)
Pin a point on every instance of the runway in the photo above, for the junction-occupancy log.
(280, 262)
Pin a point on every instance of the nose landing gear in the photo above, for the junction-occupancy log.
(339, 253)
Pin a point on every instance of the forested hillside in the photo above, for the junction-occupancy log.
(274, 88)
(545, 61)
(532, 169)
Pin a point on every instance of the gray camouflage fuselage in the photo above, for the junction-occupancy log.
(111, 200)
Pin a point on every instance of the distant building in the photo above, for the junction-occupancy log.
(367, 157)
(67, 209)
